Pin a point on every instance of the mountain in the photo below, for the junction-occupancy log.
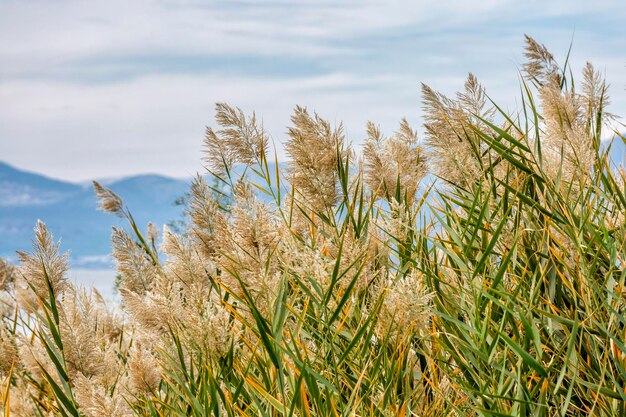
(19, 188)
(69, 211)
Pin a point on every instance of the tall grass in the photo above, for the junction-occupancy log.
(352, 287)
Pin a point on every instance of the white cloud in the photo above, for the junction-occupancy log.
(156, 124)
(49, 33)
(66, 111)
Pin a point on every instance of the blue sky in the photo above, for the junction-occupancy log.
(112, 88)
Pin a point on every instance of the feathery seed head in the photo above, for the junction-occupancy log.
(406, 308)
(449, 136)
(152, 232)
(595, 98)
(21, 395)
(8, 351)
(133, 264)
(184, 264)
(144, 371)
(202, 210)
(566, 146)
(95, 401)
(394, 162)
(240, 140)
(315, 150)
(473, 100)
(248, 240)
(109, 201)
(43, 269)
(211, 332)
(91, 335)
(7, 275)
(540, 64)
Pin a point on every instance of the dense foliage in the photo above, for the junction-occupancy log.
(351, 284)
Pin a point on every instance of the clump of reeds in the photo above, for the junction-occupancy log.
(341, 285)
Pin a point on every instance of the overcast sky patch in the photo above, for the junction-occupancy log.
(100, 89)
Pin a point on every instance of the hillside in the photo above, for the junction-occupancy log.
(69, 210)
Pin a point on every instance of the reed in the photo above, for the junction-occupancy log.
(347, 285)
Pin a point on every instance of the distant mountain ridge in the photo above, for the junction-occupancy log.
(69, 210)
(21, 188)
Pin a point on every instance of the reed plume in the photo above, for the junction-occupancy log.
(395, 165)
(240, 140)
(315, 150)
(353, 290)
(43, 271)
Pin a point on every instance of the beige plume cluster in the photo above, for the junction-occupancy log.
(315, 149)
(393, 165)
(337, 242)
(239, 140)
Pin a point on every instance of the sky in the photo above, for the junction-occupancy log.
(102, 89)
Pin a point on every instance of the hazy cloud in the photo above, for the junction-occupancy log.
(93, 89)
